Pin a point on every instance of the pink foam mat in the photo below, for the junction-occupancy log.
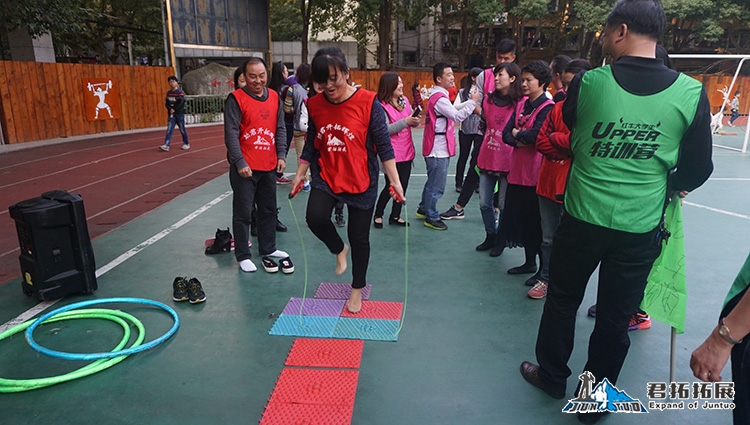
(330, 353)
(377, 310)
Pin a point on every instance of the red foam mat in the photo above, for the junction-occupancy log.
(377, 310)
(318, 387)
(306, 414)
(329, 353)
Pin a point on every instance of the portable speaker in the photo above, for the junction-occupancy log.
(56, 258)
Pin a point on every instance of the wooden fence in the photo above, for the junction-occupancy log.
(41, 101)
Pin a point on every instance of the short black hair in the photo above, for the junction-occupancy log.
(577, 65)
(237, 72)
(437, 70)
(644, 17)
(172, 77)
(506, 45)
(325, 58)
(559, 63)
(540, 70)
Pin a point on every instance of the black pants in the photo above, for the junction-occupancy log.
(404, 172)
(319, 208)
(521, 223)
(740, 370)
(260, 189)
(467, 144)
(624, 260)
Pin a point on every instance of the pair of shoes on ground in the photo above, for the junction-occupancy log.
(638, 321)
(165, 147)
(269, 265)
(222, 242)
(188, 290)
(398, 221)
(453, 213)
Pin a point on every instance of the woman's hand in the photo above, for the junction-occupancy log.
(412, 121)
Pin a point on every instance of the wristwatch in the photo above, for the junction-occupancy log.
(724, 332)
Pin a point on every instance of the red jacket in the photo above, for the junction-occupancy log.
(554, 143)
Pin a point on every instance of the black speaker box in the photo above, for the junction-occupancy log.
(56, 258)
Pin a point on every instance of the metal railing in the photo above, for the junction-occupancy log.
(204, 109)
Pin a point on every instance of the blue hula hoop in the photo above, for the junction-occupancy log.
(105, 355)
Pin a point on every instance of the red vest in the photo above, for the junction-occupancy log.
(258, 129)
(428, 139)
(341, 140)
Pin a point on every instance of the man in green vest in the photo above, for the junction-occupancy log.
(639, 131)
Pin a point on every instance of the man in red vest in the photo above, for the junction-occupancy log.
(255, 136)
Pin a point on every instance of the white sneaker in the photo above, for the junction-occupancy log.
(165, 148)
(185, 147)
(278, 254)
(248, 266)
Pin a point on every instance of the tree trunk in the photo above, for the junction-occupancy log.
(305, 8)
(384, 34)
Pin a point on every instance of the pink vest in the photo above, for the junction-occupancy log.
(403, 145)
(525, 161)
(494, 154)
(428, 140)
(489, 82)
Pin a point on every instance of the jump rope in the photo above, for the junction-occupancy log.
(396, 198)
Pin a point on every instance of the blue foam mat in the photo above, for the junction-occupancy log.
(368, 329)
(312, 326)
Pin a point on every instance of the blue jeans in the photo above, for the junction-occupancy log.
(551, 212)
(486, 198)
(735, 115)
(437, 174)
(179, 120)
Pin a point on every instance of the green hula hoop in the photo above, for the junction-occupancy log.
(19, 385)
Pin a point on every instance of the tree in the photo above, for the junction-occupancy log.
(693, 22)
(286, 20)
(523, 12)
(591, 15)
(41, 16)
(472, 17)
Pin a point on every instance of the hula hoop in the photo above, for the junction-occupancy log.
(19, 385)
(105, 355)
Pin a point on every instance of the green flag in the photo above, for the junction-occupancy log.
(665, 297)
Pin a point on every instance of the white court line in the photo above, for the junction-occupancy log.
(28, 314)
(733, 214)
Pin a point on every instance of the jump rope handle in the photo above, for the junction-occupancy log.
(296, 190)
(395, 195)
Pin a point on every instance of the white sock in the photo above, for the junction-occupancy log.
(278, 254)
(248, 266)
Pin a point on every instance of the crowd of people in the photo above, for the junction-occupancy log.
(573, 164)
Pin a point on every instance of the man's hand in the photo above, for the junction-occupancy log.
(281, 165)
(245, 172)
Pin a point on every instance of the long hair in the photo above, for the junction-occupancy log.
(473, 73)
(387, 85)
(515, 91)
(277, 76)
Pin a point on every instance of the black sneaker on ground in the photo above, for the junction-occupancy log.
(339, 219)
(437, 224)
(420, 214)
(453, 214)
(179, 289)
(269, 265)
(286, 265)
(195, 291)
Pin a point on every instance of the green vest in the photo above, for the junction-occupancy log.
(624, 146)
(740, 282)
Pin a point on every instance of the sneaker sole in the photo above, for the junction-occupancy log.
(455, 217)
(179, 299)
(270, 269)
(287, 271)
(426, 224)
(420, 216)
(536, 297)
(640, 327)
(199, 300)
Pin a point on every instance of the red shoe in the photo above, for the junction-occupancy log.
(639, 321)
(539, 290)
(283, 180)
